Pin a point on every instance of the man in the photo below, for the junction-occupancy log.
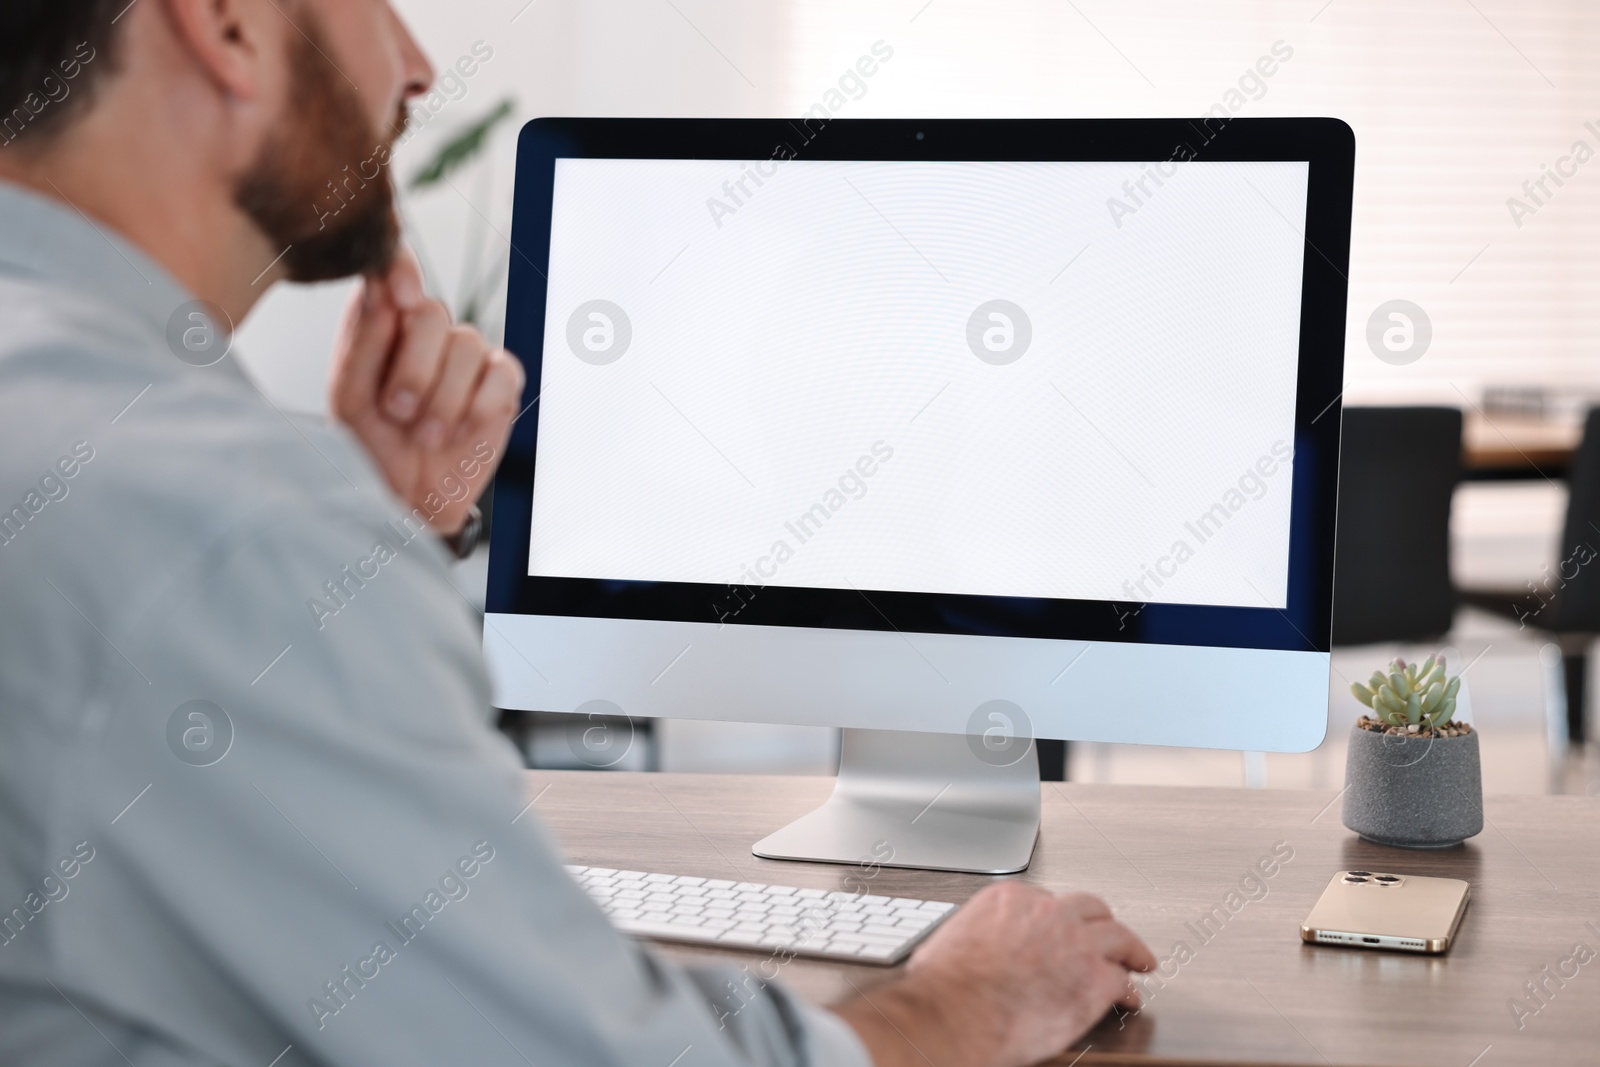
(240, 831)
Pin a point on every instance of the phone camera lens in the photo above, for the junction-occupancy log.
(1359, 874)
(1386, 879)
(919, 135)
(1352, 880)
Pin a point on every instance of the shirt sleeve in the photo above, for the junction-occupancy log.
(327, 845)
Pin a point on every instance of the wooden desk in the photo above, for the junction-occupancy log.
(1163, 858)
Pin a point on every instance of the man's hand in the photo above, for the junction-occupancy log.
(1011, 979)
(430, 400)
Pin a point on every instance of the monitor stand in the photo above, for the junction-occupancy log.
(928, 801)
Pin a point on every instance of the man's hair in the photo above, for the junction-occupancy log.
(51, 54)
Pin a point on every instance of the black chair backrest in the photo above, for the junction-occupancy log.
(1398, 468)
(1576, 575)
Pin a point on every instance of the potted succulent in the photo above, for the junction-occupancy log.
(1412, 777)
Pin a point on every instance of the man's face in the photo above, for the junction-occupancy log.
(320, 186)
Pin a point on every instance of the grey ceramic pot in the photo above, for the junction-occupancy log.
(1413, 792)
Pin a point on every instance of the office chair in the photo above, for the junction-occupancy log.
(1565, 601)
(1398, 469)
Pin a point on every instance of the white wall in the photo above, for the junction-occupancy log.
(1455, 104)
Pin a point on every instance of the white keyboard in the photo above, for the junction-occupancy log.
(750, 915)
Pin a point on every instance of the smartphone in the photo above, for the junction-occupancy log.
(1376, 909)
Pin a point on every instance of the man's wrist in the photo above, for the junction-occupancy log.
(909, 1022)
(463, 541)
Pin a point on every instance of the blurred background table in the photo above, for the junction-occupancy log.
(1495, 446)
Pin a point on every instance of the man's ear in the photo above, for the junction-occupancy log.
(230, 40)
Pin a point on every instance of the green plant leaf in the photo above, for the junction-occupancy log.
(1453, 688)
(1427, 664)
(1397, 682)
(1362, 693)
(1446, 709)
(1413, 709)
(1432, 698)
(462, 148)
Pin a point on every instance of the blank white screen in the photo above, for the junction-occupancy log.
(1135, 451)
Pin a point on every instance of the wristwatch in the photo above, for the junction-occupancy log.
(463, 541)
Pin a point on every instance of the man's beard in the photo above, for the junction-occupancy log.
(320, 186)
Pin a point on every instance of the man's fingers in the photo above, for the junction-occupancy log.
(1121, 945)
(417, 361)
(366, 336)
(465, 361)
(1085, 906)
(1130, 999)
(404, 279)
(496, 402)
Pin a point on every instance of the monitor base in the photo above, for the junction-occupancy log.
(926, 801)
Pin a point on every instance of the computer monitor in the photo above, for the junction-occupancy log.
(953, 433)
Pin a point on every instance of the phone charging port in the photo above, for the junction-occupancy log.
(1370, 940)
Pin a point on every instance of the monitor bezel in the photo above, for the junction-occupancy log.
(1327, 145)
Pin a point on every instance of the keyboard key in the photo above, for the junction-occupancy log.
(866, 938)
(876, 952)
(747, 938)
(575, 870)
(718, 883)
(664, 929)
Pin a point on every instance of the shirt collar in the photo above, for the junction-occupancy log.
(54, 241)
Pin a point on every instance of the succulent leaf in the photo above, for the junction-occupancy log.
(1453, 688)
(1363, 694)
(1397, 682)
(1413, 709)
(1431, 698)
(1378, 678)
(1427, 664)
(1446, 709)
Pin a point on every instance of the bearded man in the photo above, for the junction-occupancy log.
(240, 832)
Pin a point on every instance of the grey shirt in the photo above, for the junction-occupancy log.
(237, 829)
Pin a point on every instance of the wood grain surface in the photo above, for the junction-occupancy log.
(1245, 989)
